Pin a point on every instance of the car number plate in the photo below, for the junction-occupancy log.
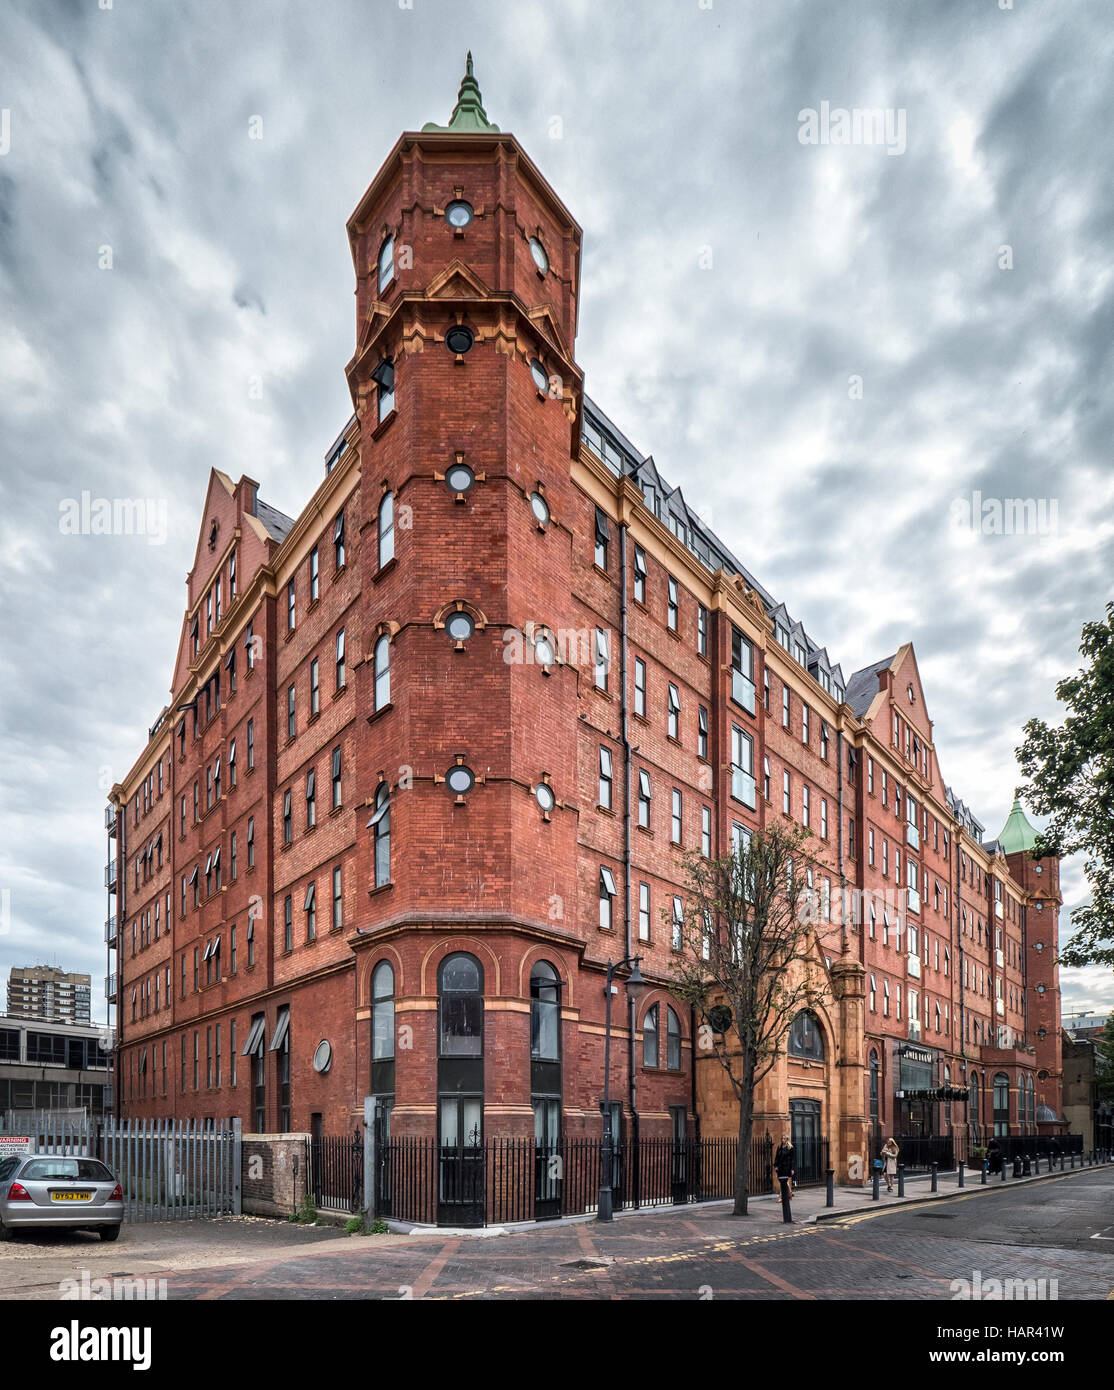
(70, 1196)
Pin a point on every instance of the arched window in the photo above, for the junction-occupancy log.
(650, 1051)
(545, 1012)
(386, 529)
(382, 1012)
(460, 991)
(672, 1040)
(805, 1039)
(1001, 1103)
(386, 262)
(383, 672)
(380, 824)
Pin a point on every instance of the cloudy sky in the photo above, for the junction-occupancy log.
(832, 346)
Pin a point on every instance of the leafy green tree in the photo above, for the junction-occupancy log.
(748, 962)
(1071, 780)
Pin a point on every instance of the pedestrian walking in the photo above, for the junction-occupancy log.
(890, 1152)
(785, 1161)
(994, 1156)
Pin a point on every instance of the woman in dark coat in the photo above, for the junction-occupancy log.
(785, 1161)
(994, 1156)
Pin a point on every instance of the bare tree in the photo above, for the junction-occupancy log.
(749, 961)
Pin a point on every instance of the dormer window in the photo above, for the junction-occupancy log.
(386, 262)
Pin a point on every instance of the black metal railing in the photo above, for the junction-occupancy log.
(1033, 1145)
(336, 1165)
(504, 1181)
(918, 1152)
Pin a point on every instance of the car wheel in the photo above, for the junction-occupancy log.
(109, 1232)
(5, 1232)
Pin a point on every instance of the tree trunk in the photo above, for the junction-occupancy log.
(742, 1157)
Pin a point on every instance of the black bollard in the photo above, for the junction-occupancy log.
(874, 1194)
(1071, 1160)
(961, 1183)
(1002, 1175)
(786, 1209)
(1061, 1160)
(985, 1172)
(1037, 1164)
(901, 1179)
(831, 1188)
(1026, 1167)
(1017, 1166)
(934, 1177)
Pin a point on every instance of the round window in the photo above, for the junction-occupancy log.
(323, 1057)
(460, 477)
(459, 339)
(460, 627)
(537, 250)
(460, 780)
(540, 508)
(544, 654)
(1040, 989)
(1038, 945)
(537, 371)
(544, 794)
(459, 213)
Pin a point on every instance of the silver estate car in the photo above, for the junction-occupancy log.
(52, 1190)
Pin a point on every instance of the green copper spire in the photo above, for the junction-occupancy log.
(1017, 834)
(468, 114)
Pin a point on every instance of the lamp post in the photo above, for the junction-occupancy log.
(635, 985)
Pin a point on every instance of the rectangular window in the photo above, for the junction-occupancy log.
(786, 803)
(341, 663)
(251, 842)
(785, 707)
(804, 723)
(672, 611)
(742, 767)
(885, 855)
(288, 922)
(338, 902)
(701, 732)
(232, 763)
(336, 778)
(338, 541)
(290, 722)
(701, 629)
(676, 819)
(287, 821)
(644, 799)
(232, 949)
(640, 687)
(870, 775)
(603, 538)
(870, 846)
(251, 744)
(678, 923)
(607, 898)
(823, 817)
(290, 606)
(311, 799)
(706, 831)
(742, 671)
(605, 778)
(232, 866)
(806, 805)
(643, 912)
(639, 574)
(309, 906)
(674, 712)
(602, 659)
(314, 688)
(766, 778)
(314, 592)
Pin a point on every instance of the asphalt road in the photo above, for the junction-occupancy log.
(1061, 1229)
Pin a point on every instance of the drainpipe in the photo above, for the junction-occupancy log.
(839, 837)
(624, 739)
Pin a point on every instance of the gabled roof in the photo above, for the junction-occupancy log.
(863, 685)
(278, 525)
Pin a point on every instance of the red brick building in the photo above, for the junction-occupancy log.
(432, 746)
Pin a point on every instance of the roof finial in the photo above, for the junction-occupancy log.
(468, 113)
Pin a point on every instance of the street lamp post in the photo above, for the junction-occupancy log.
(635, 985)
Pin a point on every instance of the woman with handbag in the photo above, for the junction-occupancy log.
(890, 1152)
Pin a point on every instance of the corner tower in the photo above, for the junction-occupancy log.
(468, 400)
(1040, 879)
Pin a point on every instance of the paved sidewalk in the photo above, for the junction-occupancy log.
(808, 1206)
